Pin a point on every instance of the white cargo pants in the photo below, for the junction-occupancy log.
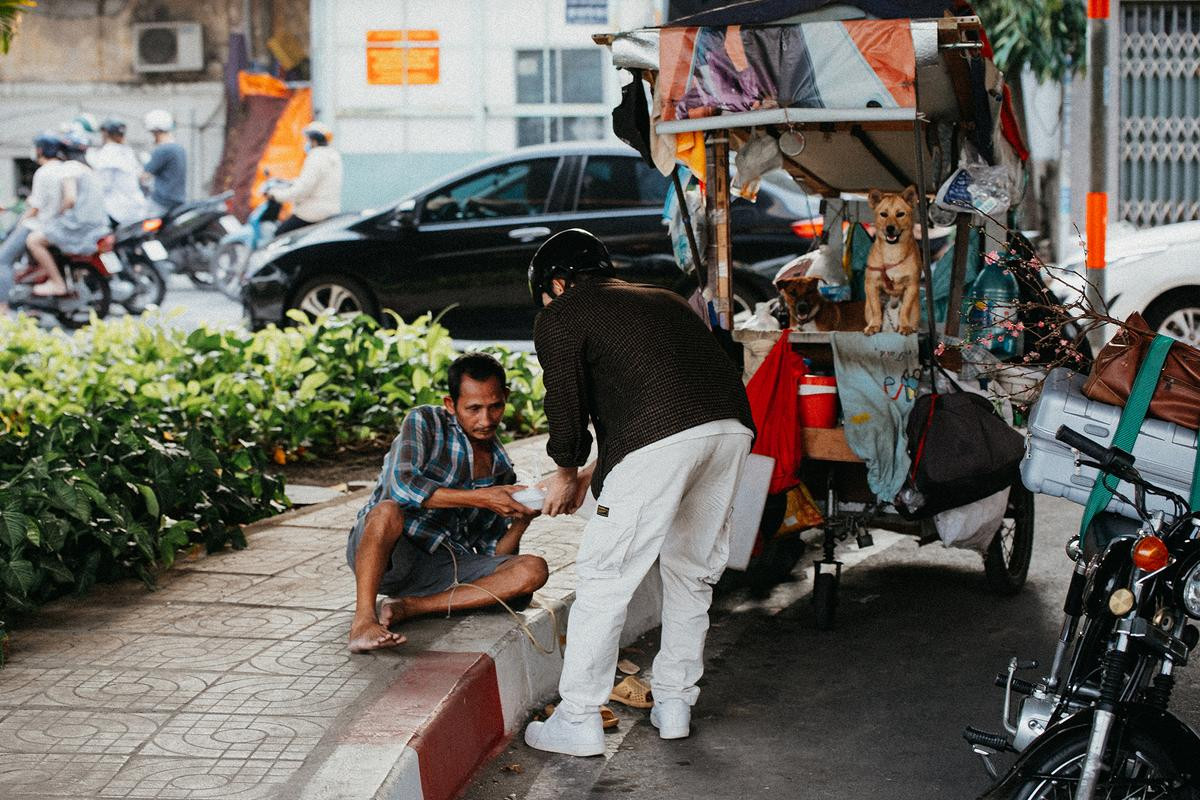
(668, 501)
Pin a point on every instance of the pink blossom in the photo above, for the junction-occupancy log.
(941, 348)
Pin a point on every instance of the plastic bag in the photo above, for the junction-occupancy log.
(974, 525)
(773, 403)
(802, 512)
(673, 216)
(976, 186)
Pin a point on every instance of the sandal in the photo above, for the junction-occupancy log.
(632, 692)
(608, 718)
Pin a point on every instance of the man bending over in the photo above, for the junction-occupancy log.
(442, 509)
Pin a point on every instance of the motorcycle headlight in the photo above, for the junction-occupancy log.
(1190, 591)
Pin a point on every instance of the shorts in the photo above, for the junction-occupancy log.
(412, 572)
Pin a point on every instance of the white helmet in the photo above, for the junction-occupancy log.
(159, 120)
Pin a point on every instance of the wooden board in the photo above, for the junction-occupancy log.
(828, 444)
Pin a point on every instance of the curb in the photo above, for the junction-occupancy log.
(430, 730)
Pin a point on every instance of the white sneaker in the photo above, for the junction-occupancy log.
(558, 735)
(672, 717)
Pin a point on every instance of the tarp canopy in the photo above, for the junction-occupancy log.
(852, 88)
(761, 12)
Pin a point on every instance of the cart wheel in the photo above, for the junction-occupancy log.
(1007, 560)
(825, 600)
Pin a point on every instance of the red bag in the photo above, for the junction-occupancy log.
(773, 399)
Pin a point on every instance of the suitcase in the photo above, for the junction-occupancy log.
(1165, 453)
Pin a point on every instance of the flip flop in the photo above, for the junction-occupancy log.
(608, 718)
(632, 692)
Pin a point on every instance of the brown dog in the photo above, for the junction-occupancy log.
(806, 305)
(894, 263)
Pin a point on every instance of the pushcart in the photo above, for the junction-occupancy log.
(866, 103)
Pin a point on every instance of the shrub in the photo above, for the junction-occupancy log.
(126, 441)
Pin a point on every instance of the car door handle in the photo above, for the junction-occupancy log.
(529, 234)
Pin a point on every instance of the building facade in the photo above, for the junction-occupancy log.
(414, 89)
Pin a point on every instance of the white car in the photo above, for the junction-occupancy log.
(1154, 271)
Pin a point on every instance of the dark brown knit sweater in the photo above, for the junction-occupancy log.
(637, 362)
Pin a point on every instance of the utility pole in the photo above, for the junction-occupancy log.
(1097, 198)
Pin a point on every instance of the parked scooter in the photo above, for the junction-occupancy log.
(233, 253)
(191, 232)
(87, 276)
(140, 283)
(1098, 725)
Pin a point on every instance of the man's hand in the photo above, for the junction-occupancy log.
(499, 499)
(561, 491)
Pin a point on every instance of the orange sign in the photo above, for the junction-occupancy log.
(393, 58)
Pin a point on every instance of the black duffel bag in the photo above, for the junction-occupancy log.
(961, 451)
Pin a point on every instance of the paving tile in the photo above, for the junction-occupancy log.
(38, 648)
(325, 540)
(199, 778)
(56, 774)
(159, 651)
(86, 687)
(237, 736)
(339, 517)
(73, 731)
(227, 620)
(200, 587)
(295, 592)
(279, 695)
(325, 570)
(333, 628)
(323, 659)
(254, 560)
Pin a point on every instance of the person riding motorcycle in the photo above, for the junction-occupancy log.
(43, 201)
(317, 193)
(167, 167)
(118, 168)
(79, 220)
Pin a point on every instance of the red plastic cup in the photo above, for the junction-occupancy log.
(818, 401)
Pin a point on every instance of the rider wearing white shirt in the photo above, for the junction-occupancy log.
(118, 169)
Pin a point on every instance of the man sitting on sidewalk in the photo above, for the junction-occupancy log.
(439, 514)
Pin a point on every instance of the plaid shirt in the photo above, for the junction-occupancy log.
(432, 452)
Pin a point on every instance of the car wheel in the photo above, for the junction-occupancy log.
(1177, 314)
(334, 294)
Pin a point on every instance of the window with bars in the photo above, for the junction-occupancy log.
(1159, 144)
(549, 78)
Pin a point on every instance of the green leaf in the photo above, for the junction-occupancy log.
(150, 498)
(18, 576)
(13, 525)
(312, 382)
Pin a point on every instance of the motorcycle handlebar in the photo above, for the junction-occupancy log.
(1075, 439)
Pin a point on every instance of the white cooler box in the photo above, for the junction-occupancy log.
(1165, 453)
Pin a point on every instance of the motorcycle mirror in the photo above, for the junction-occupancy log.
(402, 219)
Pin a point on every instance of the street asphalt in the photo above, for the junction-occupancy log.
(872, 709)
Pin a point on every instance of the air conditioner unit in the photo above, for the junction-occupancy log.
(168, 47)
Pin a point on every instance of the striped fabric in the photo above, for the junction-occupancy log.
(432, 452)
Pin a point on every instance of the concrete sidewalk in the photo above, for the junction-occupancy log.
(233, 679)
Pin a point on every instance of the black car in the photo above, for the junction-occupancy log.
(465, 243)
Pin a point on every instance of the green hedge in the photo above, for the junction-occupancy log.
(127, 441)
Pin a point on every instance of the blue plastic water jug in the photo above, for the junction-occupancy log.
(989, 304)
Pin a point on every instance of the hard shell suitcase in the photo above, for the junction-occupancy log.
(1165, 453)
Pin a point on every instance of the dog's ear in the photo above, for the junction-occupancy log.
(909, 195)
(873, 197)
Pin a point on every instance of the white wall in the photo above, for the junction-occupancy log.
(416, 131)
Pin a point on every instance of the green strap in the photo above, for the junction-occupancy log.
(1130, 424)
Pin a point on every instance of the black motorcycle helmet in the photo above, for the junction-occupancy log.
(567, 254)
(50, 145)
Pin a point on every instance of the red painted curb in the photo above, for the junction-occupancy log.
(447, 707)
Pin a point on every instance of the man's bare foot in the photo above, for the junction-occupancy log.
(367, 635)
(48, 289)
(392, 611)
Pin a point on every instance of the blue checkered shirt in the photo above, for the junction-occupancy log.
(432, 452)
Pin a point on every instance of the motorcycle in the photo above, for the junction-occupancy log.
(234, 250)
(140, 283)
(87, 276)
(1098, 724)
(190, 233)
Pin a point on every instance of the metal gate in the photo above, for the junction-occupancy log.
(1159, 145)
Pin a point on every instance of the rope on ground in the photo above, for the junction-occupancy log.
(520, 622)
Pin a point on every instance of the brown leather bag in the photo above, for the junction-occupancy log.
(1177, 398)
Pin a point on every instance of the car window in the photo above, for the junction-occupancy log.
(513, 190)
(611, 182)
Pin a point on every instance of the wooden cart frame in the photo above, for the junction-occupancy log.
(875, 138)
